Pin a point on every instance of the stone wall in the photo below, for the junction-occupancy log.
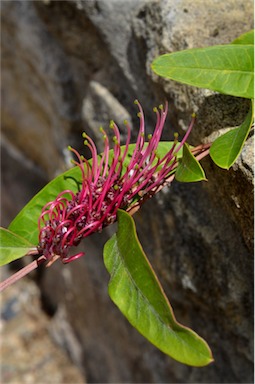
(70, 66)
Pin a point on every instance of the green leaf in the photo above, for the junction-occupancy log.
(246, 38)
(135, 289)
(26, 222)
(12, 246)
(227, 69)
(189, 169)
(226, 148)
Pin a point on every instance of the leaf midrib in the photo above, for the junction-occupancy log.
(207, 69)
(167, 327)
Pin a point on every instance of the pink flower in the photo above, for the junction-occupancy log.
(108, 183)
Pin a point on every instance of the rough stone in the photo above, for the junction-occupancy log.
(71, 66)
(28, 352)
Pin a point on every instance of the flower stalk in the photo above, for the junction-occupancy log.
(108, 184)
(109, 181)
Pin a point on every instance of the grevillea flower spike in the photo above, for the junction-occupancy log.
(109, 182)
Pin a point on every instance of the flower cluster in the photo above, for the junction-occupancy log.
(117, 179)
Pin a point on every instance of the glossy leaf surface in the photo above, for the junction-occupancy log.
(12, 246)
(135, 289)
(26, 222)
(189, 169)
(226, 148)
(227, 69)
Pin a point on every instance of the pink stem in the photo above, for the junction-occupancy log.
(21, 273)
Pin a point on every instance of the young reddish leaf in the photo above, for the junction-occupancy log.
(12, 246)
(135, 289)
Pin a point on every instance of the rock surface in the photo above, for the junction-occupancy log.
(29, 349)
(69, 66)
